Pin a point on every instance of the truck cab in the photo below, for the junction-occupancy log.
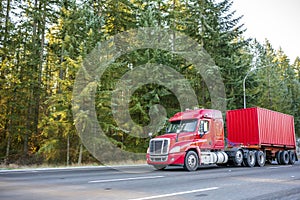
(193, 137)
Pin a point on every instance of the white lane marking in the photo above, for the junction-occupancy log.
(125, 179)
(280, 167)
(176, 193)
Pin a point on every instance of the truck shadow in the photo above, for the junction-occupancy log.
(181, 169)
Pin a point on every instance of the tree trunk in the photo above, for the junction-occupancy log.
(6, 29)
(68, 150)
(269, 92)
(28, 127)
(80, 154)
(2, 76)
(7, 149)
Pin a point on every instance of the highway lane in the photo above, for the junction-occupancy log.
(210, 182)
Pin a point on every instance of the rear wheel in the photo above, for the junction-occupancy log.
(260, 158)
(278, 157)
(285, 158)
(238, 158)
(292, 156)
(191, 161)
(250, 159)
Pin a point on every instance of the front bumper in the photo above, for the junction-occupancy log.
(168, 159)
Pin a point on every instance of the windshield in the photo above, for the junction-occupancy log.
(182, 126)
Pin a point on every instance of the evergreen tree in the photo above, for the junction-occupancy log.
(43, 44)
(66, 50)
(295, 88)
(215, 26)
(271, 91)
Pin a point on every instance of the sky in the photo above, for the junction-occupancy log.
(275, 20)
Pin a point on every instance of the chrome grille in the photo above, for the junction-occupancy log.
(159, 146)
(159, 158)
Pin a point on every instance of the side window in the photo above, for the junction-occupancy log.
(204, 126)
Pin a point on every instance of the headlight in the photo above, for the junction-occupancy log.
(148, 150)
(175, 149)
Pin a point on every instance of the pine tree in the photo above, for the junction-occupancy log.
(44, 43)
(65, 53)
(215, 26)
(295, 87)
(271, 90)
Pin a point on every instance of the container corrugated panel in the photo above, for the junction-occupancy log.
(259, 126)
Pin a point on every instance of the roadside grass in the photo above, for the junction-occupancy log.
(44, 166)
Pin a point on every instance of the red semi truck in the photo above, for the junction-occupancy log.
(196, 137)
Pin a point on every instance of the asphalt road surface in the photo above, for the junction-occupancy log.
(140, 183)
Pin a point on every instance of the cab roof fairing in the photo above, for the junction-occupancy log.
(197, 114)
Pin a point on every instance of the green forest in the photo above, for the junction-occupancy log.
(43, 45)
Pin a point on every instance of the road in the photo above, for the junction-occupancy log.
(141, 183)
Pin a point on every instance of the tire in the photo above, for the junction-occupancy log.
(238, 158)
(260, 158)
(285, 158)
(292, 157)
(191, 161)
(250, 159)
(278, 157)
(159, 167)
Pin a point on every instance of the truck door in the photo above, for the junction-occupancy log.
(205, 130)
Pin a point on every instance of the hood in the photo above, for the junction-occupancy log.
(168, 135)
(171, 136)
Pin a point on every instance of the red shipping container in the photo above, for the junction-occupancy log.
(259, 126)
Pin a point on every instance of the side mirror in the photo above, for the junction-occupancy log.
(150, 134)
(201, 129)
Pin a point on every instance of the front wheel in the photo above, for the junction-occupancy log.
(191, 161)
